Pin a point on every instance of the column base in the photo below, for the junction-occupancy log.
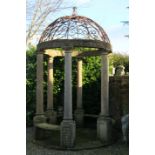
(39, 119)
(51, 116)
(79, 117)
(68, 133)
(104, 128)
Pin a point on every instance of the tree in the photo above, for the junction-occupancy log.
(30, 84)
(37, 13)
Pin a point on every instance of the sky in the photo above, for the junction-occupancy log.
(108, 14)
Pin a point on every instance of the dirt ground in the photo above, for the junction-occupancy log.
(35, 149)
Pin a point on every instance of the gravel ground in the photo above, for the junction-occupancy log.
(34, 149)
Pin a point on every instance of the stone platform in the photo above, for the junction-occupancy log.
(49, 137)
(33, 148)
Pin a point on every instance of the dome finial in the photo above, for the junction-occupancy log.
(74, 11)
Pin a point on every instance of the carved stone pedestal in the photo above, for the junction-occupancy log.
(104, 126)
(79, 117)
(51, 116)
(68, 133)
(39, 119)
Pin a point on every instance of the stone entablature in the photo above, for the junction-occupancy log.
(61, 43)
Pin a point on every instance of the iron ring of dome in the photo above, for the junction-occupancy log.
(74, 31)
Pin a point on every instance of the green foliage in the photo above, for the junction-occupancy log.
(91, 81)
(91, 69)
(30, 83)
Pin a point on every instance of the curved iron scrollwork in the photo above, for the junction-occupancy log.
(74, 27)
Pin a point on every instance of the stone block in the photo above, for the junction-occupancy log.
(104, 129)
(79, 117)
(39, 134)
(39, 119)
(68, 133)
(51, 116)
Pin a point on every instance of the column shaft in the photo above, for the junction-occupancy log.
(79, 112)
(39, 90)
(104, 85)
(50, 84)
(104, 121)
(68, 127)
(68, 86)
(79, 84)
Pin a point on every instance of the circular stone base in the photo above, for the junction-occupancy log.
(85, 139)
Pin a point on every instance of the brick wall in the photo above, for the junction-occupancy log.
(119, 96)
(118, 101)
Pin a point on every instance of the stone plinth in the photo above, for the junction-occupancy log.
(39, 119)
(68, 132)
(104, 125)
(52, 116)
(43, 131)
(79, 116)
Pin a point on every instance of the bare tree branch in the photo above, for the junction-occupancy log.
(37, 13)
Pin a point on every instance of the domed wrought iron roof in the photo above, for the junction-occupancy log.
(73, 32)
(74, 27)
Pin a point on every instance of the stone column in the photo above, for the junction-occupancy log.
(68, 125)
(39, 118)
(50, 113)
(104, 121)
(79, 112)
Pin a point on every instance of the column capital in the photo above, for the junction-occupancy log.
(40, 54)
(40, 51)
(80, 59)
(67, 48)
(104, 53)
(68, 51)
(50, 57)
